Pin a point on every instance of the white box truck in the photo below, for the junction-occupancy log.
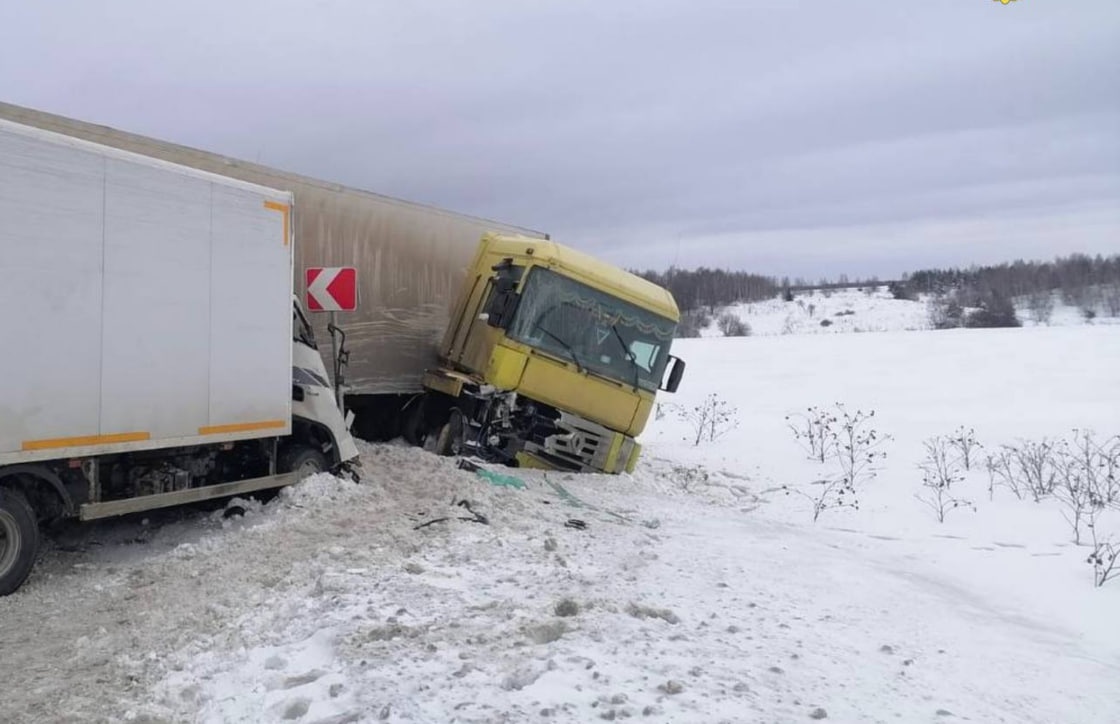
(153, 352)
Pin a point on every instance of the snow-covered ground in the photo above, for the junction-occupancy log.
(868, 309)
(831, 312)
(696, 590)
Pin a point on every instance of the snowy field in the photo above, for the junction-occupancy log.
(868, 309)
(840, 310)
(696, 590)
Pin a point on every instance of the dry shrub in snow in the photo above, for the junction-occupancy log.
(1033, 463)
(1001, 472)
(731, 326)
(711, 419)
(941, 470)
(813, 430)
(965, 443)
(1086, 475)
(858, 444)
(1103, 559)
(848, 440)
(690, 478)
(1082, 473)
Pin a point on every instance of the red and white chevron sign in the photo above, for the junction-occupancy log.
(332, 289)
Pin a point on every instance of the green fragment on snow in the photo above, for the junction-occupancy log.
(565, 495)
(504, 481)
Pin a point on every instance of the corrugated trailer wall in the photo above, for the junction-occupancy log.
(410, 258)
(113, 264)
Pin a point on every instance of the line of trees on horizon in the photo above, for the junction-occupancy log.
(1070, 275)
(1090, 283)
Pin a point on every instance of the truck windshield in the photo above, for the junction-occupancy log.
(598, 332)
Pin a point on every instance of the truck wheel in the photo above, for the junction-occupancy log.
(450, 440)
(303, 460)
(414, 432)
(19, 540)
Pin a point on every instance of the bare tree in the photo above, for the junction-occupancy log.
(1040, 304)
(1111, 299)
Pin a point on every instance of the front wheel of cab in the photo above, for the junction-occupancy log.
(450, 440)
(19, 540)
(304, 461)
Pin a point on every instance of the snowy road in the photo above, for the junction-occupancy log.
(327, 605)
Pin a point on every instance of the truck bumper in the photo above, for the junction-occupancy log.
(583, 446)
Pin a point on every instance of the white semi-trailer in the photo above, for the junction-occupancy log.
(153, 352)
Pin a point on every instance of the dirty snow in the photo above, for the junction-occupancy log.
(695, 590)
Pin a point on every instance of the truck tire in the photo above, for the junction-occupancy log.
(19, 540)
(304, 460)
(450, 440)
(414, 432)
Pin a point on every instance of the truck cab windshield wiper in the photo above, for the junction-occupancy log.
(629, 354)
(563, 342)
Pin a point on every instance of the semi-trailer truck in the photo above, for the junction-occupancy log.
(153, 351)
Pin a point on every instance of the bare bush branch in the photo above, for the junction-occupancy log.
(834, 493)
(1085, 479)
(1001, 471)
(847, 439)
(940, 472)
(1103, 559)
(711, 419)
(813, 431)
(857, 447)
(690, 478)
(965, 443)
(1034, 467)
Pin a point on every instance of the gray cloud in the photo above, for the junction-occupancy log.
(806, 138)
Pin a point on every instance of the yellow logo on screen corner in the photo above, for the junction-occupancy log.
(1005, 2)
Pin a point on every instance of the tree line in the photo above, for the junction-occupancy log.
(708, 289)
(1075, 276)
(1092, 284)
(975, 296)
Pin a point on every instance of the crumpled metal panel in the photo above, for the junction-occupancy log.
(410, 258)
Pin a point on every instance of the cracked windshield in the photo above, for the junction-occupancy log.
(600, 333)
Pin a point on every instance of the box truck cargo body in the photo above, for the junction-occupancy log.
(150, 339)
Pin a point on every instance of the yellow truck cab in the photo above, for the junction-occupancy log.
(552, 358)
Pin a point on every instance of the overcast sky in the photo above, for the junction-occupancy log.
(807, 138)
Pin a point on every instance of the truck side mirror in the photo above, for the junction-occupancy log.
(676, 372)
(501, 306)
